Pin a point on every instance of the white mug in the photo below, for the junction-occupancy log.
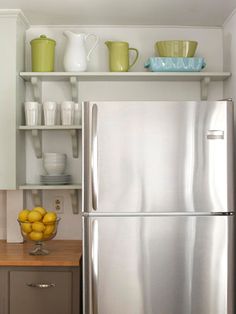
(50, 112)
(33, 111)
(78, 114)
(67, 112)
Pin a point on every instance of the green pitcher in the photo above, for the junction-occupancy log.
(42, 54)
(119, 56)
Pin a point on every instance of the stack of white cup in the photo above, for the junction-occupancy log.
(33, 111)
(67, 112)
(70, 113)
(50, 113)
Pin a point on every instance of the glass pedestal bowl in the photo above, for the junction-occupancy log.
(47, 233)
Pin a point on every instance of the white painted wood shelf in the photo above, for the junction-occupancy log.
(50, 187)
(54, 127)
(36, 79)
(126, 76)
(36, 136)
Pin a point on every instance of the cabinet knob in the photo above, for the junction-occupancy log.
(41, 285)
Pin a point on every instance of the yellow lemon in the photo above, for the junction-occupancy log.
(23, 215)
(26, 227)
(41, 210)
(50, 217)
(49, 230)
(38, 226)
(46, 236)
(35, 236)
(34, 216)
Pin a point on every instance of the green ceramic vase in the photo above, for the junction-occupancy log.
(42, 54)
(119, 58)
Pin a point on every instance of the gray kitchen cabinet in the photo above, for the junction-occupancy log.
(47, 290)
(12, 34)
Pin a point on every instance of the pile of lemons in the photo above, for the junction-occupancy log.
(37, 224)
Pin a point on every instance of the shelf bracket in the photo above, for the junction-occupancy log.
(204, 87)
(37, 88)
(37, 197)
(74, 201)
(74, 88)
(75, 143)
(37, 142)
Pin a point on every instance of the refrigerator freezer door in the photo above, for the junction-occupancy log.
(156, 265)
(158, 156)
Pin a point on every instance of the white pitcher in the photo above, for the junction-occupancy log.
(76, 57)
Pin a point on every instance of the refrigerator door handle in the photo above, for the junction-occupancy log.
(215, 134)
(94, 158)
(94, 266)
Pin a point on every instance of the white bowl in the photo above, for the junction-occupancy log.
(54, 168)
(53, 156)
(54, 159)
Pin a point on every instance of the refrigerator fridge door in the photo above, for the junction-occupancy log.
(158, 156)
(156, 265)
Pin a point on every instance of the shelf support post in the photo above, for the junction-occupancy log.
(37, 197)
(74, 88)
(204, 87)
(37, 143)
(74, 201)
(75, 143)
(37, 88)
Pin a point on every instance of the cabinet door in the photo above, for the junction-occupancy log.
(12, 168)
(40, 292)
(3, 291)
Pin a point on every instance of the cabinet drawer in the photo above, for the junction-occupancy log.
(40, 292)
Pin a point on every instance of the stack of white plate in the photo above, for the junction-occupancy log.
(55, 179)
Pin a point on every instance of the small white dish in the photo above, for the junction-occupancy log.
(55, 179)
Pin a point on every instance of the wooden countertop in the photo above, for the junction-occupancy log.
(62, 253)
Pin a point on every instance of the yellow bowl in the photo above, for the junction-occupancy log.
(176, 48)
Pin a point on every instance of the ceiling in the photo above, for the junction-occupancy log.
(124, 12)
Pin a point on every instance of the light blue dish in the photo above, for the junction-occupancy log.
(161, 64)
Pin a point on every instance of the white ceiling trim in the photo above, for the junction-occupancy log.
(15, 13)
(124, 26)
(229, 18)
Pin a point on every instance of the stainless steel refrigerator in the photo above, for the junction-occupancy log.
(158, 208)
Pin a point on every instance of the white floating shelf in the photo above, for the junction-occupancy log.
(36, 136)
(54, 127)
(125, 76)
(36, 78)
(50, 187)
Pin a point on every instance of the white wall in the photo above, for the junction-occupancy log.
(3, 215)
(142, 38)
(229, 60)
(209, 46)
(229, 53)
